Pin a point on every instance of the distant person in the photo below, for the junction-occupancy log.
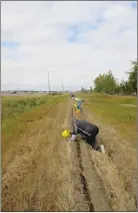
(77, 103)
(87, 130)
(72, 96)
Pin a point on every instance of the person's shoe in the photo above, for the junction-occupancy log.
(98, 148)
(102, 149)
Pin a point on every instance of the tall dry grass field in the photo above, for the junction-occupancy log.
(41, 171)
(116, 118)
(35, 161)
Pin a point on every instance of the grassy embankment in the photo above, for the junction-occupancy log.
(117, 111)
(116, 118)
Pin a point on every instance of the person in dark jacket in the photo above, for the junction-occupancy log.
(87, 130)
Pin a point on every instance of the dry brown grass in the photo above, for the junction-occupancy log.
(120, 198)
(41, 170)
(38, 172)
(32, 176)
(117, 169)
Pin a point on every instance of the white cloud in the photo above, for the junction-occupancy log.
(42, 31)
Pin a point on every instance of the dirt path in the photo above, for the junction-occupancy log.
(48, 173)
(91, 185)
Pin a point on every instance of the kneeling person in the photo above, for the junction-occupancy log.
(87, 130)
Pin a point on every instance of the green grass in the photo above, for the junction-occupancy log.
(112, 110)
(13, 108)
(19, 115)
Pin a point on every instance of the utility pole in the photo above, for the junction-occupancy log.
(62, 86)
(48, 83)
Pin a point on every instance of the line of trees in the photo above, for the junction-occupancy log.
(108, 84)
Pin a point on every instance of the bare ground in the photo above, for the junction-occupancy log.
(47, 173)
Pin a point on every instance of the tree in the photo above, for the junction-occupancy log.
(91, 89)
(124, 88)
(132, 79)
(99, 83)
(105, 83)
(83, 90)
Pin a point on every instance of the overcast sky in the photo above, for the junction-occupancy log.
(74, 41)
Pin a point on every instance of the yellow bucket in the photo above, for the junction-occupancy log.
(66, 134)
(77, 111)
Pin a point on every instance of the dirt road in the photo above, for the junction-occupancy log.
(48, 173)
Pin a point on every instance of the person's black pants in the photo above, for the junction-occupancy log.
(92, 141)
